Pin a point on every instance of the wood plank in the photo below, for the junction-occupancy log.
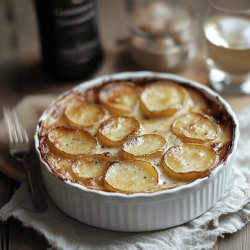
(25, 238)
(239, 240)
(5, 193)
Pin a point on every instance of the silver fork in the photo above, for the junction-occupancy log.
(20, 149)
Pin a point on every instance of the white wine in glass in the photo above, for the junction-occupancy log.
(227, 37)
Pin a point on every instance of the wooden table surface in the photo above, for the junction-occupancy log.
(21, 74)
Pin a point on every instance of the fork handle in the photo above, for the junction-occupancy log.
(38, 197)
(39, 201)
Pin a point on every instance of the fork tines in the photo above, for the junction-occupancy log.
(16, 131)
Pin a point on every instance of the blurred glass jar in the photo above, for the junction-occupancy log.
(162, 33)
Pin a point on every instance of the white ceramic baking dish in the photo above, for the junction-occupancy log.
(143, 211)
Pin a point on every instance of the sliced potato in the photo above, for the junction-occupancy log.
(64, 168)
(189, 161)
(90, 94)
(61, 166)
(143, 146)
(114, 131)
(130, 177)
(195, 127)
(84, 113)
(119, 97)
(156, 125)
(91, 166)
(161, 99)
(71, 141)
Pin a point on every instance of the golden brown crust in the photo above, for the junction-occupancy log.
(162, 130)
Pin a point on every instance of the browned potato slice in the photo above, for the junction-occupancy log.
(114, 131)
(195, 127)
(84, 113)
(189, 161)
(64, 168)
(143, 146)
(130, 177)
(71, 141)
(162, 99)
(90, 94)
(119, 98)
(91, 166)
(61, 166)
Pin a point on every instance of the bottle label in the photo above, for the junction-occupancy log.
(76, 37)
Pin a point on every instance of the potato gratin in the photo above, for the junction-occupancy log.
(135, 136)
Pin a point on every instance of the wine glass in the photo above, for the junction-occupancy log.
(226, 28)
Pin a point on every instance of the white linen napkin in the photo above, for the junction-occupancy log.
(229, 215)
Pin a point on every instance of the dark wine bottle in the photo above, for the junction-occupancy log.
(69, 37)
